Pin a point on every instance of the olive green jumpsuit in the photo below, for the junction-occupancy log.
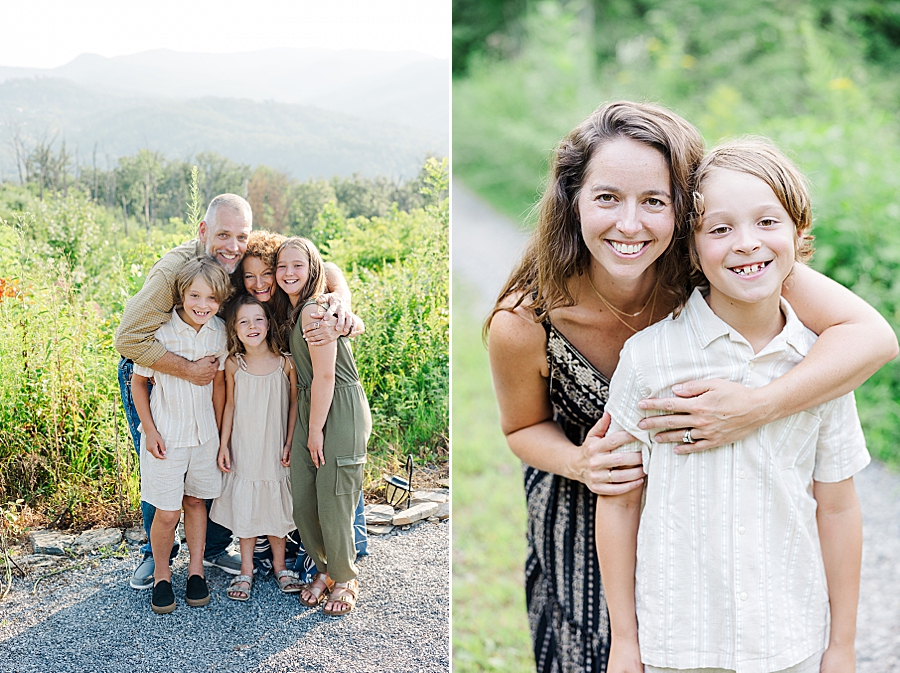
(325, 499)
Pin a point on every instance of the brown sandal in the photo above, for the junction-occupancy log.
(344, 594)
(318, 588)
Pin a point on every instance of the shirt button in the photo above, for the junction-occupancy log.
(741, 474)
(752, 365)
(743, 595)
(742, 530)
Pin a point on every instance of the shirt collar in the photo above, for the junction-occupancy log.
(708, 326)
(182, 327)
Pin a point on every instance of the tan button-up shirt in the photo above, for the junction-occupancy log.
(729, 567)
(152, 306)
(183, 412)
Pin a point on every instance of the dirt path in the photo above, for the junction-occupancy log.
(486, 245)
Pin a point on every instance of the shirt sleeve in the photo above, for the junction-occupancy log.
(146, 372)
(625, 391)
(222, 344)
(841, 448)
(152, 306)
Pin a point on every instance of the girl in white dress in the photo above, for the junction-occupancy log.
(255, 444)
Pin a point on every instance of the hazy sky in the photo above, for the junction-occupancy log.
(50, 33)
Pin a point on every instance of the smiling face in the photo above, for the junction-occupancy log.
(251, 325)
(745, 242)
(259, 278)
(226, 238)
(292, 272)
(199, 303)
(625, 208)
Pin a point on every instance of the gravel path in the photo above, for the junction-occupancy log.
(91, 621)
(480, 234)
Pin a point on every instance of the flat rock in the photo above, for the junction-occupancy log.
(376, 529)
(50, 542)
(92, 540)
(415, 513)
(35, 561)
(136, 535)
(443, 511)
(379, 514)
(445, 482)
(418, 497)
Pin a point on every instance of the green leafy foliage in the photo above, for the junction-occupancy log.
(399, 275)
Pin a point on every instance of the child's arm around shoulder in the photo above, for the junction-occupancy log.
(291, 371)
(840, 534)
(323, 359)
(224, 458)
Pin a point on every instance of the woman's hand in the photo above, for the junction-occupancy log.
(223, 460)
(716, 412)
(286, 455)
(316, 445)
(604, 472)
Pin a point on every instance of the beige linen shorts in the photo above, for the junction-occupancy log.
(186, 470)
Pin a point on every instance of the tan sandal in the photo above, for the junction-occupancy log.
(318, 588)
(344, 594)
(238, 593)
(288, 581)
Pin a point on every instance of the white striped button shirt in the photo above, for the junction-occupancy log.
(183, 412)
(729, 571)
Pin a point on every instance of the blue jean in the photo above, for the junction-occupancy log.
(217, 537)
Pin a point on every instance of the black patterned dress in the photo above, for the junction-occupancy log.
(566, 604)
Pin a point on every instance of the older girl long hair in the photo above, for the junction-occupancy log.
(557, 251)
(285, 314)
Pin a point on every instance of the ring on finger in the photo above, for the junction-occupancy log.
(687, 439)
(316, 324)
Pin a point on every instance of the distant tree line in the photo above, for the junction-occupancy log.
(151, 189)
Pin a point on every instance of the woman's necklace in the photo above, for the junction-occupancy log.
(622, 314)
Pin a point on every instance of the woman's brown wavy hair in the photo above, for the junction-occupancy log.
(557, 251)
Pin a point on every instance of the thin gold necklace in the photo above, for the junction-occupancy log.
(622, 314)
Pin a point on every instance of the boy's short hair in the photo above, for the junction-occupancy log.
(213, 273)
(758, 156)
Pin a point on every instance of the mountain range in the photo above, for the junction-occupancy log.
(307, 112)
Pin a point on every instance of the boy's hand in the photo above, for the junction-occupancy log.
(838, 659)
(624, 657)
(223, 460)
(286, 455)
(155, 445)
(316, 446)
